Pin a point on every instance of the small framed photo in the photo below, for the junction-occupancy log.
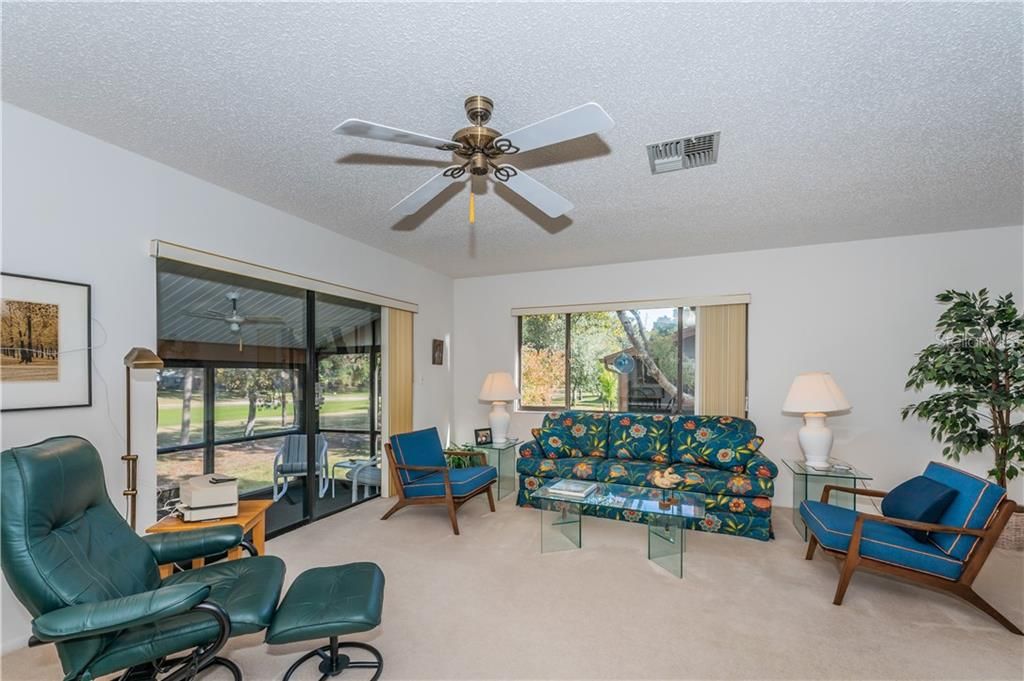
(483, 436)
(437, 352)
(45, 345)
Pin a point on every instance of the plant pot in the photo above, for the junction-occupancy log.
(1012, 537)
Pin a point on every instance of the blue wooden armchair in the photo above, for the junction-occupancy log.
(421, 474)
(956, 547)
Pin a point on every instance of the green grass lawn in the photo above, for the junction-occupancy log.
(347, 410)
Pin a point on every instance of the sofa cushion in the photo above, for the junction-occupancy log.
(919, 499)
(723, 442)
(689, 478)
(579, 468)
(833, 526)
(554, 442)
(645, 437)
(588, 431)
(976, 503)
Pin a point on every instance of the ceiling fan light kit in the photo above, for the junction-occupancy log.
(482, 147)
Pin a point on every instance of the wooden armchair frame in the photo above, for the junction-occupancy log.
(851, 560)
(450, 500)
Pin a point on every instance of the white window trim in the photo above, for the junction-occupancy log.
(692, 301)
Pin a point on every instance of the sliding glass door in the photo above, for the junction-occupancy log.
(348, 398)
(275, 386)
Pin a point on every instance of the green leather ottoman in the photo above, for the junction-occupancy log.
(329, 602)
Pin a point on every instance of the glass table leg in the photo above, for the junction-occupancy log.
(666, 543)
(799, 494)
(506, 472)
(560, 526)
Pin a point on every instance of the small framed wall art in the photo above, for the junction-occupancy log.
(437, 352)
(45, 343)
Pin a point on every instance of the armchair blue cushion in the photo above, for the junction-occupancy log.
(464, 481)
(920, 499)
(833, 526)
(418, 448)
(975, 505)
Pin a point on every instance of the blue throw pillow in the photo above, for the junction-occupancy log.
(920, 499)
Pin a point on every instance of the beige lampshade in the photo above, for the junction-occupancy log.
(499, 387)
(815, 392)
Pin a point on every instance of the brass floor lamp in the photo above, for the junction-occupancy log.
(137, 358)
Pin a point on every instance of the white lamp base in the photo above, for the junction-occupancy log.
(816, 440)
(499, 421)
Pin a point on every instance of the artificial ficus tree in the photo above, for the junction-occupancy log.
(977, 367)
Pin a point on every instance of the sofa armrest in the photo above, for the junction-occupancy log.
(761, 466)
(104, 617)
(530, 450)
(174, 547)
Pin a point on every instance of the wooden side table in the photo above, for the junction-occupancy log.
(252, 516)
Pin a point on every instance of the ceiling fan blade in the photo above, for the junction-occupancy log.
(354, 127)
(206, 315)
(551, 204)
(585, 119)
(264, 320)
(422, 195)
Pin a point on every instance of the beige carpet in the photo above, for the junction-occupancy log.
(488, 605)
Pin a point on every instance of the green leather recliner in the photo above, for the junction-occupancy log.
(93, 586)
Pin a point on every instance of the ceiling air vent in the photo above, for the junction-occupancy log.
(684, 153)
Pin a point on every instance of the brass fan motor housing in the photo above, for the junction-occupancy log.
(479, 109)
(475, 138)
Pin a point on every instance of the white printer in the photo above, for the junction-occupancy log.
(209, 497)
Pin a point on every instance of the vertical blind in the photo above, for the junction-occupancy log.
(722, 360)
(400, 377)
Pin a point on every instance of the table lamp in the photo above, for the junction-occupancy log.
(499, 389)
(815, 395)
(137, 358)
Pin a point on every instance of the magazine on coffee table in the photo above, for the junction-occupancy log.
(572, 489)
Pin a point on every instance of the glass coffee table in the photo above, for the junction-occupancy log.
(666, 512)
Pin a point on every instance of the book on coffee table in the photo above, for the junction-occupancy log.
(573, 489)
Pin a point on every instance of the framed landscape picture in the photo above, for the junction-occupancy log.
(45, 343)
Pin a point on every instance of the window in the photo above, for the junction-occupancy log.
(238, 381)
(542, 349)
(639, 360)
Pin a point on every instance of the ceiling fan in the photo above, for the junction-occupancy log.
(234, 319)
(483, 149)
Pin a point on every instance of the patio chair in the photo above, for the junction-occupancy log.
(290, 463)
(365, 473)
(955, 549)
(422, 475)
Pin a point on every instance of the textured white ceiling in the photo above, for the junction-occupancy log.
(839, 121)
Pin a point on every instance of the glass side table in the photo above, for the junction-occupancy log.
(502, 455)
(808, 483)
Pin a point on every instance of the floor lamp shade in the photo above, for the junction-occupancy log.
(499, 388)
(815, 395)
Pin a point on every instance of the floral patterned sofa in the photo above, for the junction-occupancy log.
(716, 455)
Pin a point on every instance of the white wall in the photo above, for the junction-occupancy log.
(79, 209)
(860, 310)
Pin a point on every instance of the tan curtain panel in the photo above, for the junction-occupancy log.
(722, 360)
(399, 387)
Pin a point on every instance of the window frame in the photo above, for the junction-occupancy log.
(680, 326)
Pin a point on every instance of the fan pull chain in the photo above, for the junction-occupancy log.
(472, 205)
